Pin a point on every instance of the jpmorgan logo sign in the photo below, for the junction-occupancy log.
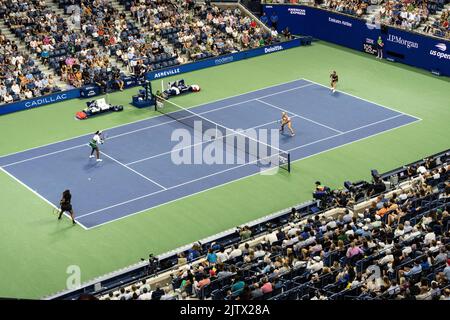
(399, 40)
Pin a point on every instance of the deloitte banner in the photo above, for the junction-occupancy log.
(407, 47)
(38, 102)
(216, 61)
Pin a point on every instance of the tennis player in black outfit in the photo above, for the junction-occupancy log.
(334, 80)
(66, 205)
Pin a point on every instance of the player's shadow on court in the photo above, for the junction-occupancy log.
(92, 165)
(59, 225)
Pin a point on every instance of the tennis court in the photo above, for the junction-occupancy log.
(138, 173)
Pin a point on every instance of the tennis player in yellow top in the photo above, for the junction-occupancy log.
(286, 121)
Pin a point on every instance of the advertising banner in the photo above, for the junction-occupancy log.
(38, 102)
(411, 48)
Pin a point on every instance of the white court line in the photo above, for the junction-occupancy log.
(210, 102)
(153, 126)
(254, 99)
(349, 131)
(156, 116)
(134, 171)
(209, 111)
(173, 187)
(248, 176)
(43, 155)
(304, 118)
(311, 143)
(356, 97)
(197, 144)
(350, 142)
(40, 196)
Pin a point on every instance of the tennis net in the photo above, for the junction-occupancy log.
(260, 152)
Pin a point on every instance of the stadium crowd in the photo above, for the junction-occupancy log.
(405, 14)
(19, 76)
(159, 34)
(394, 246)
(70, 53)
(408, 15)
(441, 26)
(199, 31)
(353, 7)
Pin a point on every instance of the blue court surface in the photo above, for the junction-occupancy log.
(137, 172)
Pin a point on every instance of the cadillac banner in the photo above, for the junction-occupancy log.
(40, 101)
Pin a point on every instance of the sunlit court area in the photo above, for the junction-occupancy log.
(235, 151)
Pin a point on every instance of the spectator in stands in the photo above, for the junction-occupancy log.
(447, 270)
(167, 295)
(238, 285)
(236, 252)
(145, 295)
(204, 281)
(211, 257)
(157, 293)
(222, 256)
(245, 233)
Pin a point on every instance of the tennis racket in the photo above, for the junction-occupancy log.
(104, 136)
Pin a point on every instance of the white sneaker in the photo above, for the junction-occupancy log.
(98, 160)
(334, 91)
(90, 157)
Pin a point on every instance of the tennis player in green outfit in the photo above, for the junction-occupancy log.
(95, 141)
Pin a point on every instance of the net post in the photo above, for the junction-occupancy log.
(289, 162)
